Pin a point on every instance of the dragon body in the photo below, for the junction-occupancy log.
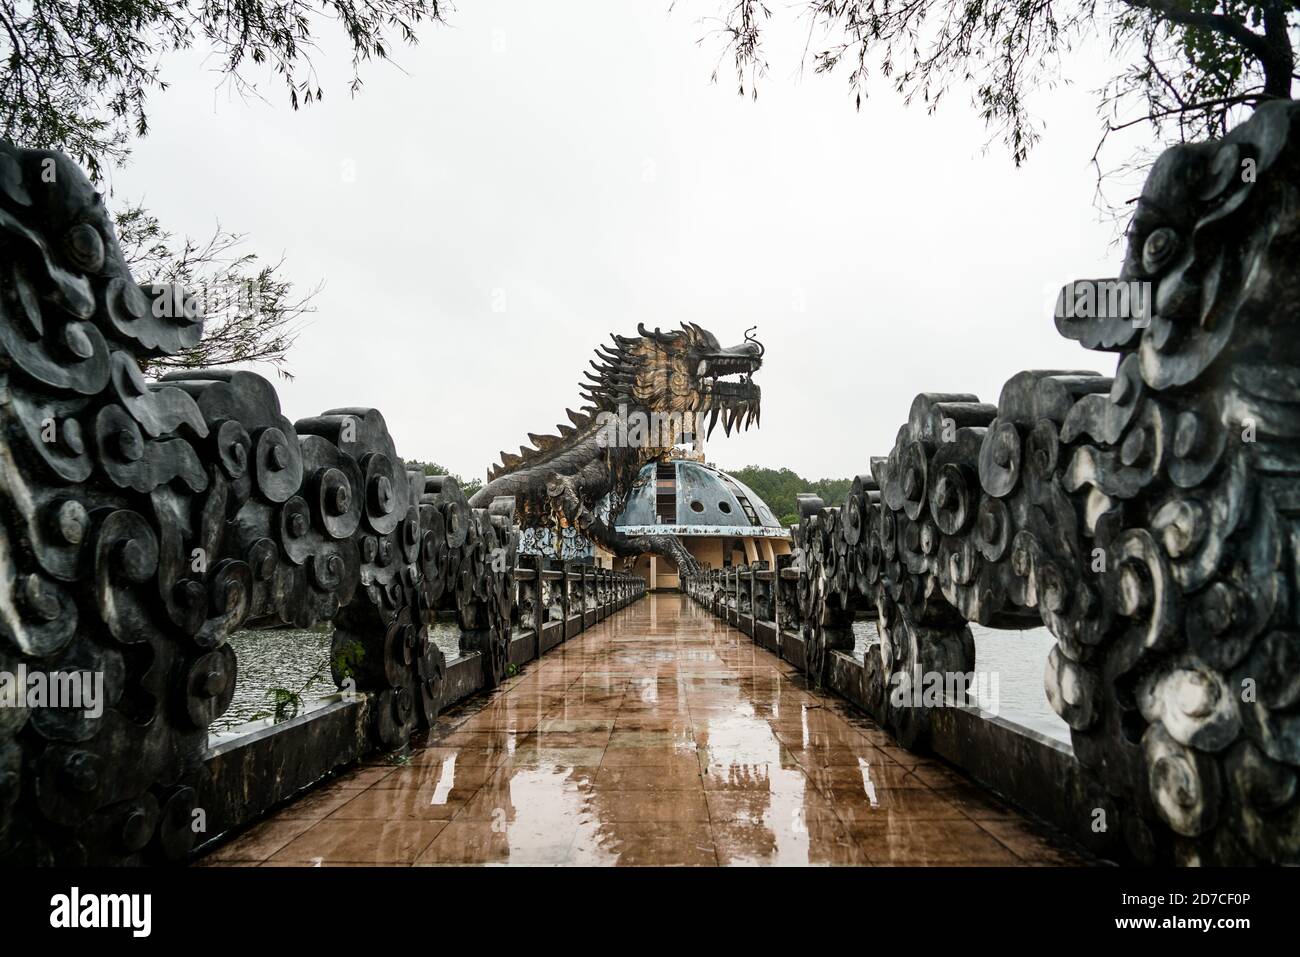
(644, 395)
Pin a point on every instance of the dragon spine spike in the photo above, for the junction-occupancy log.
(658, 335)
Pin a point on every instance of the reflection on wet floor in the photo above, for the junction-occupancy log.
(661, 736)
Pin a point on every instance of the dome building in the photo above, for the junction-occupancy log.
(719, 519)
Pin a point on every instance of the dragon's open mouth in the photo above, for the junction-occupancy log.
(727, 385)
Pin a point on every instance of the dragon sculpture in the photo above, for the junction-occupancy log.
(646, 394)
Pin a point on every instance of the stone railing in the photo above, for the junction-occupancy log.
(143, 522)
(1147, 518)
(572, 599)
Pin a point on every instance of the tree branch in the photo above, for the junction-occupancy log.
(1217, 22)
(1192, 107)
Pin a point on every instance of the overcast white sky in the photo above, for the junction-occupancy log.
(571, 165)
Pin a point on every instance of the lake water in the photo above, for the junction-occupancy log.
(1012, 665)
(283, 658)
(1011, 661)
(297, 661)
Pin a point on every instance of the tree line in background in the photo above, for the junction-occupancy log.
(468, 486)
(778, 488)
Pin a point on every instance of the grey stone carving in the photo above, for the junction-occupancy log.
(1148, 518)
(144, 521)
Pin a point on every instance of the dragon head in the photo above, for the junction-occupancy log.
(685, 371)
(1214, 255)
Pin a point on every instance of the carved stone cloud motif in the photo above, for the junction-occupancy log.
(143, 522)
(1148, 518)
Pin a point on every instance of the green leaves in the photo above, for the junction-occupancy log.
(78, 80)
(285, 704)
(349, 657)
(1192, 62)
(252, 313)
(79, 76)
(778, 488)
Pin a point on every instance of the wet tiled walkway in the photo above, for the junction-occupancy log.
(661, 736)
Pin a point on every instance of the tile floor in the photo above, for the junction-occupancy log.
(661, 736)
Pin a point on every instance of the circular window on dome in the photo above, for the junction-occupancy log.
(697, 506)
(725, 507)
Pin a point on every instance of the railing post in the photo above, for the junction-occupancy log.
(581, 583)
(588, 596)
(776, 603)
(753, 600)
(539, 604)
(732, 593)
(565, 601)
